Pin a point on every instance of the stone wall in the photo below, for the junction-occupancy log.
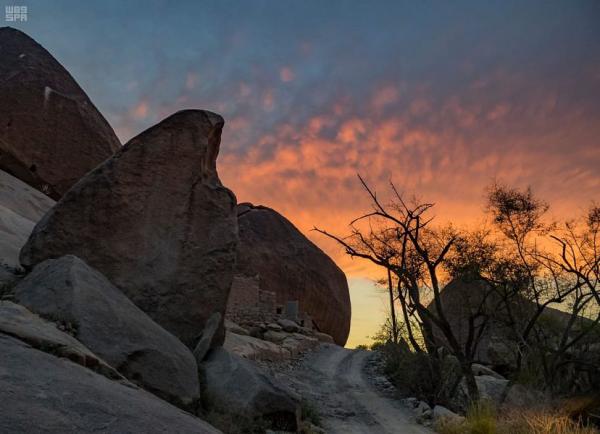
(248, 303)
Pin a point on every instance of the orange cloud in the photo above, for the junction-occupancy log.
(140, 111)
(286, 74)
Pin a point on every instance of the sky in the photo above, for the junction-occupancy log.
(440, 97)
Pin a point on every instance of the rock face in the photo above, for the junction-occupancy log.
(156, 221)
(42, 393)
(21, 207)
(110, 325)
(18, 322)
(51, 133)
(291, 266)
(241, 388)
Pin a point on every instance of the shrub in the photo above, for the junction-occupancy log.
(482, 419)
(413, 374)
(310, 413)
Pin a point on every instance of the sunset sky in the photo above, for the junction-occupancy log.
(441, 97)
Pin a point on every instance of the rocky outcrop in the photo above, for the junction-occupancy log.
(292, 267)
(51, 133)
(156, 221)
(498, 345)
(21, 207)
(110, 325)
(42, 393)
(236, 386)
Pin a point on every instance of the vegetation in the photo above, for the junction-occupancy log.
(528, 267)
(483, 419)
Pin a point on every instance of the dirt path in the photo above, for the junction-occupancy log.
(333, 380)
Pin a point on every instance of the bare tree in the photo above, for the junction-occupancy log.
(399, 238)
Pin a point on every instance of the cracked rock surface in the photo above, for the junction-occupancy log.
(110, 325)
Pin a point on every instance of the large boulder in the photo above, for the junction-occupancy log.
(41, 393)
(497, 345)
(21, 207)
(108, 323)
(295, 269)
(156, 221)
(51, 133)
(236, 386)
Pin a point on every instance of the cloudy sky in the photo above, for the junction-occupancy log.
(441, 97)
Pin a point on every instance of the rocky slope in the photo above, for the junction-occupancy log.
(21, 207)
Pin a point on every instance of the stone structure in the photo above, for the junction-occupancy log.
(248, 304)
(288, 264)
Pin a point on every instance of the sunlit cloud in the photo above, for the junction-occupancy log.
(286, 74)
(140, 111)
(441, 111)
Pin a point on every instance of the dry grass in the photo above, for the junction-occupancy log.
(482, 419)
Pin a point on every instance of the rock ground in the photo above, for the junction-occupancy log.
(109, 324)
(45, 394)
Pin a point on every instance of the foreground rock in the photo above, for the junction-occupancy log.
(156, 221)
(44, 394)
(253, 348)
(21, 207)
(236, 386)
(292, 267)
(18, 322)
(51, 132)
(110, 325)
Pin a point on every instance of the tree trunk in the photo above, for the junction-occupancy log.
(470, 381)
(392, 308)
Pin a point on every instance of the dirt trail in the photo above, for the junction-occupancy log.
(333, 380)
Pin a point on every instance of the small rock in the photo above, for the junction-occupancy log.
(235, 328)
(423, 411)
(410, 402)
(289, 325)
(491, 388)
(441, 413)
(255, 332)
(323, 337)
(275, 337)
(479, 370)
(275, 327)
